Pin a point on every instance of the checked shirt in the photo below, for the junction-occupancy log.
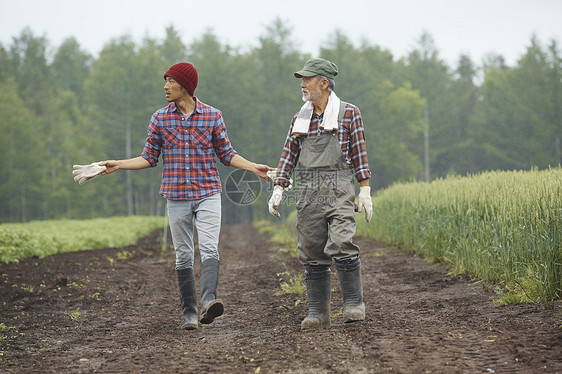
(351, 137)
(188, 145)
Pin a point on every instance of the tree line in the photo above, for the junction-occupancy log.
(423, 119)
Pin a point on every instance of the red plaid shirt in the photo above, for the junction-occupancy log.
(188, 144)
(351, 136)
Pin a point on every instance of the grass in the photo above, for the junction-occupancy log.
(76, 316)
(294, 285)
(283, 234)
(44, 238)
(504, 228)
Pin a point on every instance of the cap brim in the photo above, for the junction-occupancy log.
(305, 73)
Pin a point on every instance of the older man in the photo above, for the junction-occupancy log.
(326, 143)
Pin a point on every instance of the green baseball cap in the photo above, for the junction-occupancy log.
(318, 66)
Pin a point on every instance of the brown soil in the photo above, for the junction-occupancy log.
(117, 311)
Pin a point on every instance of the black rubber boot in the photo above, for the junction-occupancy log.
(211, 307)
(188, 295)
(318, 291)
(349, 273)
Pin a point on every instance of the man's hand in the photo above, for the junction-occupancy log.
(111, 166)
(364, 201)
(262, 171)
(275, 200)
(83, 173)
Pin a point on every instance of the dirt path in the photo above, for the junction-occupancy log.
(117, 311)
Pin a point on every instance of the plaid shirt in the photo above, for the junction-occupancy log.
(351, 136)
(188, 145)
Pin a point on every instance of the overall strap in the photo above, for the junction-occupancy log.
(341, 113)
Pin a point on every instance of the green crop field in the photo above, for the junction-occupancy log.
(44, 238)
(504, 228)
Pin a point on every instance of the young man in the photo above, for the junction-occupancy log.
(328, 155)
(188, 134)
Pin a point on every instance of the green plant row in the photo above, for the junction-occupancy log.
(504, 228)
(44, 238)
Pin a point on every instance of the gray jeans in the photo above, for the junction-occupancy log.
(205, 214)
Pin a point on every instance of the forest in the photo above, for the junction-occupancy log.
(60, 106)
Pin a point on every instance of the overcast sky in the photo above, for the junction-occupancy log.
(471, 27)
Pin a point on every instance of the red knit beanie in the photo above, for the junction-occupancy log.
(185, 74)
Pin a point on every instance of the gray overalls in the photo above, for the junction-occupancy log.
(325, 206)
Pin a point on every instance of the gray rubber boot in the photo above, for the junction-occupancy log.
(318, 291)
(349, 273)
(188, 295)
(211, 307)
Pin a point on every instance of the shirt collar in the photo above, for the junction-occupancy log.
(174, 108)
(197, 104)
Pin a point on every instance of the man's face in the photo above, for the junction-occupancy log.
(311, 89)
(173, 90)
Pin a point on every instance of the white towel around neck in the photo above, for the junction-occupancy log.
(330, 122)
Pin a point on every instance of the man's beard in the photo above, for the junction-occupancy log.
(314, 98)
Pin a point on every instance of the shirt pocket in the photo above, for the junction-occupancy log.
(171, 136)
(201, 137)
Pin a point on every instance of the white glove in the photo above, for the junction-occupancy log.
(83, 173)
(364, 201)
(275, 200)
(272, 174)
